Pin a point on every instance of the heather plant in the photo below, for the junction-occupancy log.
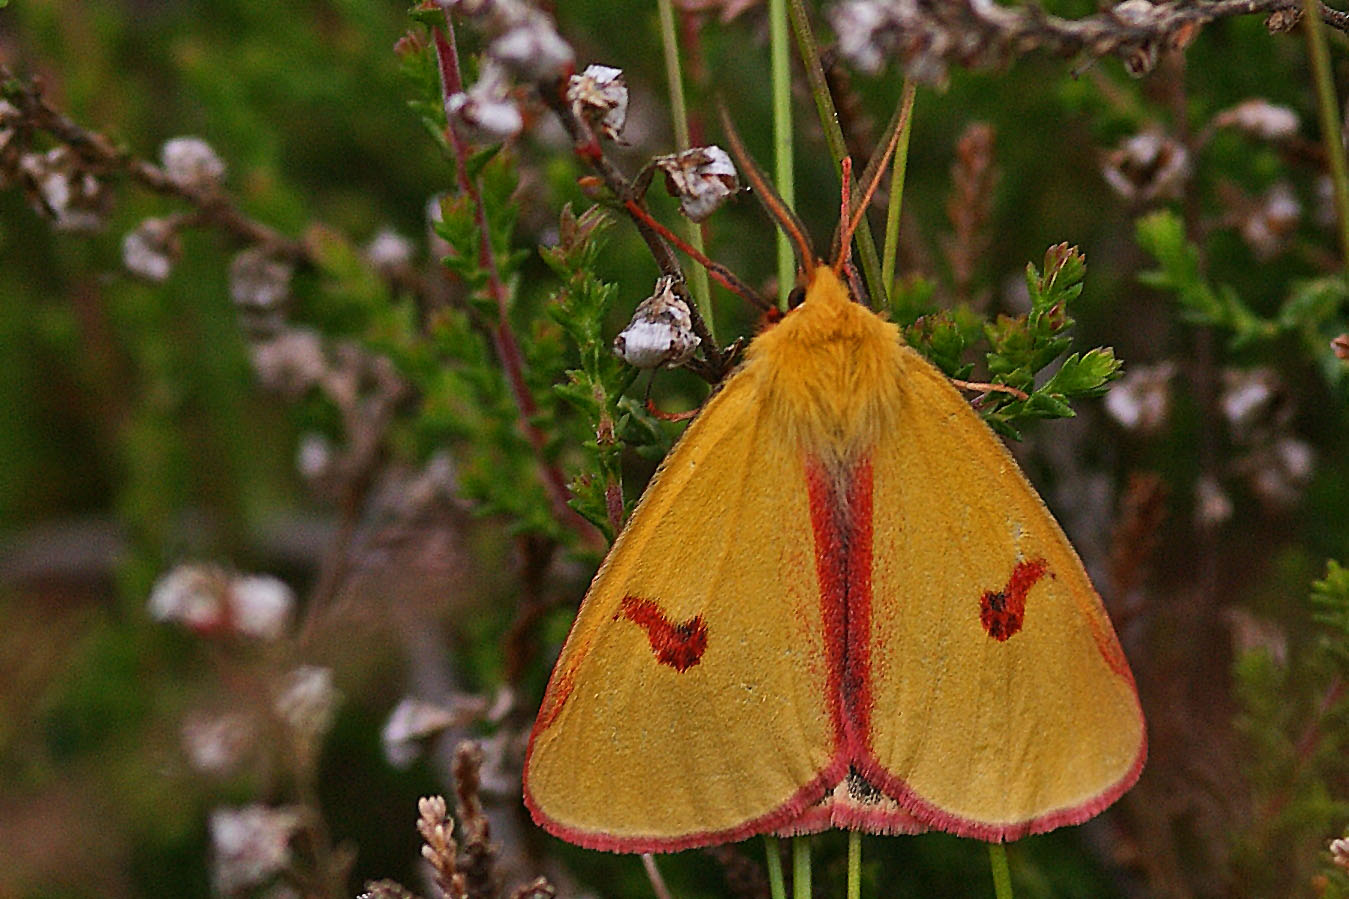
(341, 341)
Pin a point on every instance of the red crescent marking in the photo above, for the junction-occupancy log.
(679, 645)
(1001, 612)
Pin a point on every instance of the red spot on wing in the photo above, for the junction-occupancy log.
(680, 645)
(1001, 612)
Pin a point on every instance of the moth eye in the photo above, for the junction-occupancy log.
(796, 297)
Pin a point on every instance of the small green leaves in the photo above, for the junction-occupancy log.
(1023, 346)
(1162, 235)
(1330, 609)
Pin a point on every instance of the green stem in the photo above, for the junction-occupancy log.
(854, 864)
(890, 256)
(833, 137)
(774, 860)
(800, 867)
(1002, 876)
(669, 38)
(783, 163)
(1331, 135)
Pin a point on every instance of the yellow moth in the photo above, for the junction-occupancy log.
(839, 603)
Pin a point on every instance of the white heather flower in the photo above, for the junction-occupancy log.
(388, 250)
(73, 197)
(190, 162)
(308, 700)
(250, 845)
(600, 96)
(412, 721)
(702, 178)
(195, 595)
(215, 744)
(486, 109)
(1260, 118)
(1212, 505)
(1148, 166)
(1137, 13)
(1141, 400)
(258, 280)
(533, 49)
(260, 605)
(661, 330)
(151, 249)
(1247, 394)
(291, 362)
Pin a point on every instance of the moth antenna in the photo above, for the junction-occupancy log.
(724, 276)
(875, 170)
(843, 251)
(773, 203)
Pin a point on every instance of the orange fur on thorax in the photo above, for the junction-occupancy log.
(828, 372)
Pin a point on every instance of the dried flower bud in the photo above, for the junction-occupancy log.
(191, 163)
(1212, 505)
(1134, 13)
(258, 281)
(1260, 118)
(389, 251)
(533, 49)
(1340, 346)
(1339, 852)
(661, 330)
(702, 178)
(9, 116)
(1269, 225)
(863, 31)
(486, 110)
(1283, 20)
(1141, 400)
(71, 195)
(215, 744)
(412, 721)
(308, 700)
(151, 249)
(1247, 395)
(291, 362)
(1280, 472)
(1148, 166)
(250, 845)
(600, 96)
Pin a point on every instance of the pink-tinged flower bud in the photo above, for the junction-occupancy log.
(486, 110)
(1148, 166)
(151, 249)
(533, 49)
(250, 845)
(191, 163)
(1260, 118)
(702, 178)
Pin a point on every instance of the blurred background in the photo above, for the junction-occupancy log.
(275, 534)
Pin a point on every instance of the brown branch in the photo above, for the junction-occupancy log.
(587, 147)
(969, 33)
(102, 155)
(501, 332)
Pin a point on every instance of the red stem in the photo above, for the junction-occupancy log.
(503, 336)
